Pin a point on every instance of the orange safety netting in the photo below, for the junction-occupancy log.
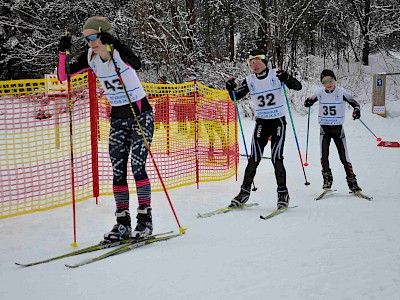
(195, 140)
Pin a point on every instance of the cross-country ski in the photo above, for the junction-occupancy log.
(225, 210)
(124, 248)
(100, 246)
(276, 212)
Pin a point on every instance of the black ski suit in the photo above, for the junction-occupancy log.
(265, 129)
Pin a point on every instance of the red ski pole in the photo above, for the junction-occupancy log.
(110, 50)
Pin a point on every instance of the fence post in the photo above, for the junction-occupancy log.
(94, 133)
(168, 123)
(196, 132)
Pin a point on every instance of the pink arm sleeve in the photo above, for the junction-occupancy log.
(61, 72)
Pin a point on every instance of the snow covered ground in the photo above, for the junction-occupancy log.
(341, 247)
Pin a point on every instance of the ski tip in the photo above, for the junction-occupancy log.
(361, 195)
(21, 265)
(70, 266)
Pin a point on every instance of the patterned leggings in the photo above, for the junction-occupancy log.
(126, 139)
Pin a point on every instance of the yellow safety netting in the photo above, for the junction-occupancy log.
(194, 141)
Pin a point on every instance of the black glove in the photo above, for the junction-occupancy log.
(65, 43)
(230, 84)
(356, 113)
(282, 75)
(106, 38)
(308, 103)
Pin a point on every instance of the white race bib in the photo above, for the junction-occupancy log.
(267, 96)
(331, 107)
(105, 72)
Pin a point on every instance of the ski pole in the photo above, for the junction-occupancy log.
(71, 141)
(377, 138)
(117, 70)
(241, 129)
(294, 132)
(240, 123)
(308, 131)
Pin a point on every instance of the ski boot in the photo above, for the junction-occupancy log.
(122, 230)
(144, 226)
(283, 198)
(352, 183)
(328, 179)
(241, 198)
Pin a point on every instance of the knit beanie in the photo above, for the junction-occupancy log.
(327, 73)
(98, 23)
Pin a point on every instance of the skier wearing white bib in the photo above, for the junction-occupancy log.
(125, 138)
(332, 104)
(265, 89)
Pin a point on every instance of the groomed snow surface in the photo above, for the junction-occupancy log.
(341, 247)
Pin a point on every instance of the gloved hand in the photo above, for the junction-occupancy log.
(282, 75)
(230, 84)
(65, 43)
(356, 113)
(106, 38)
(308, 102)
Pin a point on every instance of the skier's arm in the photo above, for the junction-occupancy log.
(349, 99)
(79, 66)
(125, 52)
(291, 82)
(128, 56)
(239, 92)
(310, 100)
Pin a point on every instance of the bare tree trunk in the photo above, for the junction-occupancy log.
(337, 51)
(364, 19)
(352, 46)
(367, 21)
(231, 31)
(282, 37)
(263, 30)
(174, 13)
(191, 19)
(208, 30)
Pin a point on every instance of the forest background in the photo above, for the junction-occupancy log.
(210, 38)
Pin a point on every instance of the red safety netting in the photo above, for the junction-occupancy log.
(195, 141)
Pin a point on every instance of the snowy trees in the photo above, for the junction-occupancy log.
(177, 36)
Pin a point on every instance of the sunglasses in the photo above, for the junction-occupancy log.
(256, 58)
(91, 37)
(327, 81)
